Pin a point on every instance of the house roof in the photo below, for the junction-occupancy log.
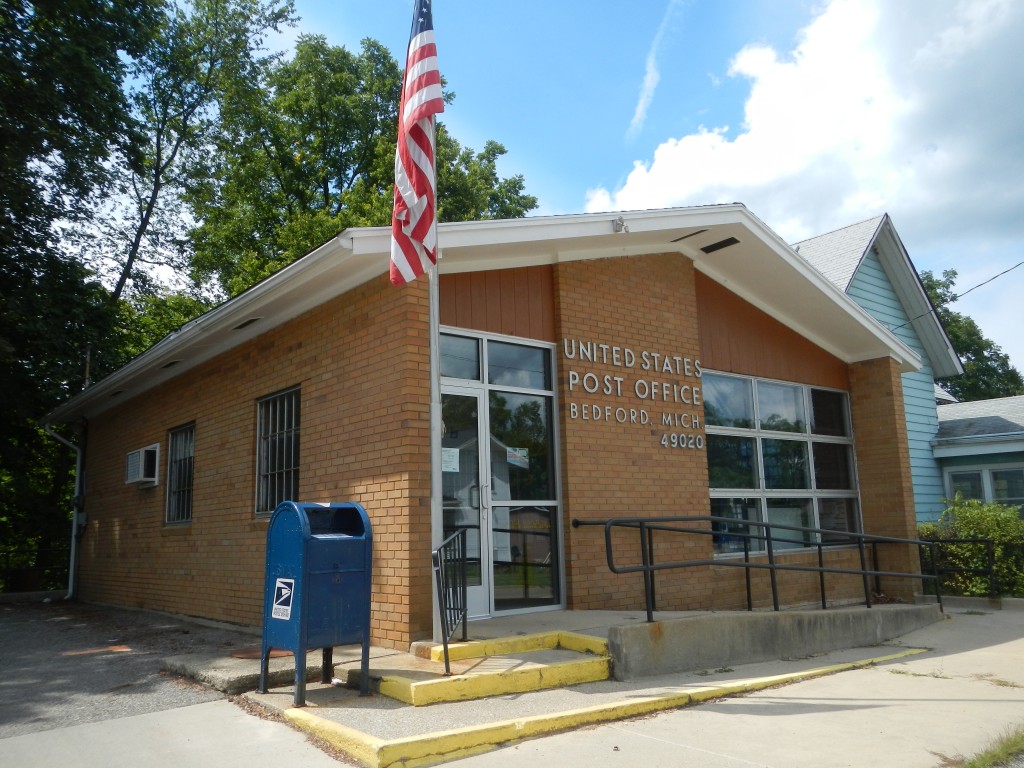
(982, 426)
(839, 254)
(726, 242)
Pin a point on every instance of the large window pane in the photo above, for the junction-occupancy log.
(525, 561)
(728, 401)
(833, 468)
(460, 357)
(732, 462)
(967, 484)
(828, 413)
(837, 515)
(521, 459)
(781, 407)
(790, 512)
(515, 365)
(729, 536)
(785, 464)
(1008, 486)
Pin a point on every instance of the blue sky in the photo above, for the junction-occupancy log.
(815, 115)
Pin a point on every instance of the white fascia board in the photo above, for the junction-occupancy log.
(906, 282)
(786, 287)
(326, 272)
(978, 446)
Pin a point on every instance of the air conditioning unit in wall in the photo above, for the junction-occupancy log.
(141, 465)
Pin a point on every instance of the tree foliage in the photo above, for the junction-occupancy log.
(308, 150)
(199, 50)
(62, 107)
(988, 372)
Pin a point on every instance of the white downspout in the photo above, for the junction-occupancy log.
(76, 513)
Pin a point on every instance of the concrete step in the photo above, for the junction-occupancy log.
(487, 668)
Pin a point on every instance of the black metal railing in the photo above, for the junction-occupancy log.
(763, 540)
(449, 561)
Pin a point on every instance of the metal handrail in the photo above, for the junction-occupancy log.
(449, 561)
(646, 526)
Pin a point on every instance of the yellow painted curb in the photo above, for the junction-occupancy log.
(434, 748)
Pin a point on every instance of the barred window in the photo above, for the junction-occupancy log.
(277, 450)
(180, 466)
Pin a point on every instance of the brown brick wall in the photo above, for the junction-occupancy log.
(362, 364)
(883, 466)
(610, 469)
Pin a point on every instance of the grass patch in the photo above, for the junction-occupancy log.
(1001, 752)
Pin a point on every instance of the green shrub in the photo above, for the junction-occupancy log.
(973, 519)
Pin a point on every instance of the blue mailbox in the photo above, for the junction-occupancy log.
(317, 586)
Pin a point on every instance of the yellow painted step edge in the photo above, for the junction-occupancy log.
(419, 693)
(539, 641)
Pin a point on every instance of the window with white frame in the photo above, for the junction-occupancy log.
(999, 484)
(181, 444)
(277, 450)
(778, 453)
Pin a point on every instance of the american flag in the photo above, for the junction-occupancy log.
(414, 220)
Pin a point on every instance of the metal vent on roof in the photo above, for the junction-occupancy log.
(720, 245)
(247, 323)
(170, 364)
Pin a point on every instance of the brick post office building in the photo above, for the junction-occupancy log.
(651, 363)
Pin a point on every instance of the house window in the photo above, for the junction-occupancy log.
(1001, 485)
(180, 463)
(778, 453)
(277, 450)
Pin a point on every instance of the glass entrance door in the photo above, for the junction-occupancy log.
(463, 494)
(499, 471)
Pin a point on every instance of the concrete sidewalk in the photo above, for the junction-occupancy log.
(930, 696)
(920, 711)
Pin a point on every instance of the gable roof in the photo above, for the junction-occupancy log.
(839, 254)
(982, 426)
(726, 242)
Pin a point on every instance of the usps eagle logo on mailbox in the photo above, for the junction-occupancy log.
(284, 590)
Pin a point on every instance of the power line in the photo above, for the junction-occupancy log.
(959, 296)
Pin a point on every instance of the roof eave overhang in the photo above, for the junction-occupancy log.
(759, 267)
(905, 280)
(978, 445)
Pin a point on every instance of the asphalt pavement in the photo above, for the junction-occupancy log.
(84, 686)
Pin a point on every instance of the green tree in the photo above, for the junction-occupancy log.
(62, 115)
(308, 151)
(62, 109)
(199, 50)
(988, 372)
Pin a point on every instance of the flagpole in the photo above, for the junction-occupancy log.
(436, 478)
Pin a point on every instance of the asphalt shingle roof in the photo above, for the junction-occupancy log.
(1001, 416)
(838, 254)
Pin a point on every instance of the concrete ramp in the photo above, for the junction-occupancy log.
(711, 641)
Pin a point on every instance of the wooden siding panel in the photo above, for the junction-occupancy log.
(514, 302)
(872, 289)
(736, 337)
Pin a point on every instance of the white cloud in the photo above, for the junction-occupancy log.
(651, 74)
(908, 107)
